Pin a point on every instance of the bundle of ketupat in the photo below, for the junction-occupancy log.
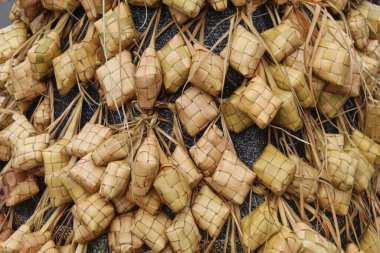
(163, 172)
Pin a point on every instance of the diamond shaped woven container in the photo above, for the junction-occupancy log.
(58, 194)
(341, 167)
(183, 233)
(369, 148)
(95, 214)
(12, 244)
(145, 3)
(369, 241)
(287, 116)
(359, 29)
(206, 71)
(64, 72)
(209, 211)
(274, 169)
(312, 241)
(190, 8)
(5, 71)
(88, 139)
(232, 178)
(49, 247)
(32, 242)
(291, 79)
(372, 14)
(151, 229)
(208, 150)
(329, 104)
(116, 77)
(115, 180)
(19, 129)
(76, 192)
(111, 37)
(28, 152)
(196, 110)
(259, 102)
(236, 120)
(259, 225)
(94, 8)
(114, 148)
(246, 52)
(285, 241)
(23, 87)
(329, 196)
(41, 55)
(148, 78)
(181, 159)
(18, 186)
(172, 187)
(12, 37)
(218, 5)
(372, 121)
(282, 39)
(175, 61)
(42, 115)
(29, 10)
(373, 49)
(150, 202)
(60, 5)
(178, 16)
(304, 181)
(87, 174)
(145, 166)
(122, 204)
(120, 237)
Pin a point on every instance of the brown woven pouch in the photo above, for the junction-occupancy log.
(329, 196)
(145, 3)
(5, 151)
(209, 211)
(150, 202)
(64, 72)
(369, 148)
(32, 242)
(259, 102)
(60, 5)
(145, 166)
(23, 87)
(114, 148)
(208, 150)
(175, 61)
(291, 79)
(282, 39)
(329, 104)
(120, 237)
(232, 178)
(274, 170)
(312, 241)
(88, 139)
(151, 229)
(12, 37)
(259, 225)
(95, 214)
(364, 171)
(372, 121)
(122, 203)
(116, 77)
(304, 180)
(236, 120)
(341, 167)
(371, 12)
(94, 8)
(12, 244)
(206, 71)
(18, 186)
(190, 8)
(119, 29)
(285, 241)
(42, 115)
(172, 187)
(287, 116)
(29, 10)
(183, 233)
(49, 247)
(181, 159)
(28, 152)
(369, 241)
(246, 52)
(41, 55)
(331, 61)
(115, 180)
(196, 110)
(359, 29)
(87, 174)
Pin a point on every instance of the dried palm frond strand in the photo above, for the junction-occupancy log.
(274, 170)
(64, 72)
(209, 211)
(196, 110)
(115, 180)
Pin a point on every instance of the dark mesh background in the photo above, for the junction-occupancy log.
(248, 144)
